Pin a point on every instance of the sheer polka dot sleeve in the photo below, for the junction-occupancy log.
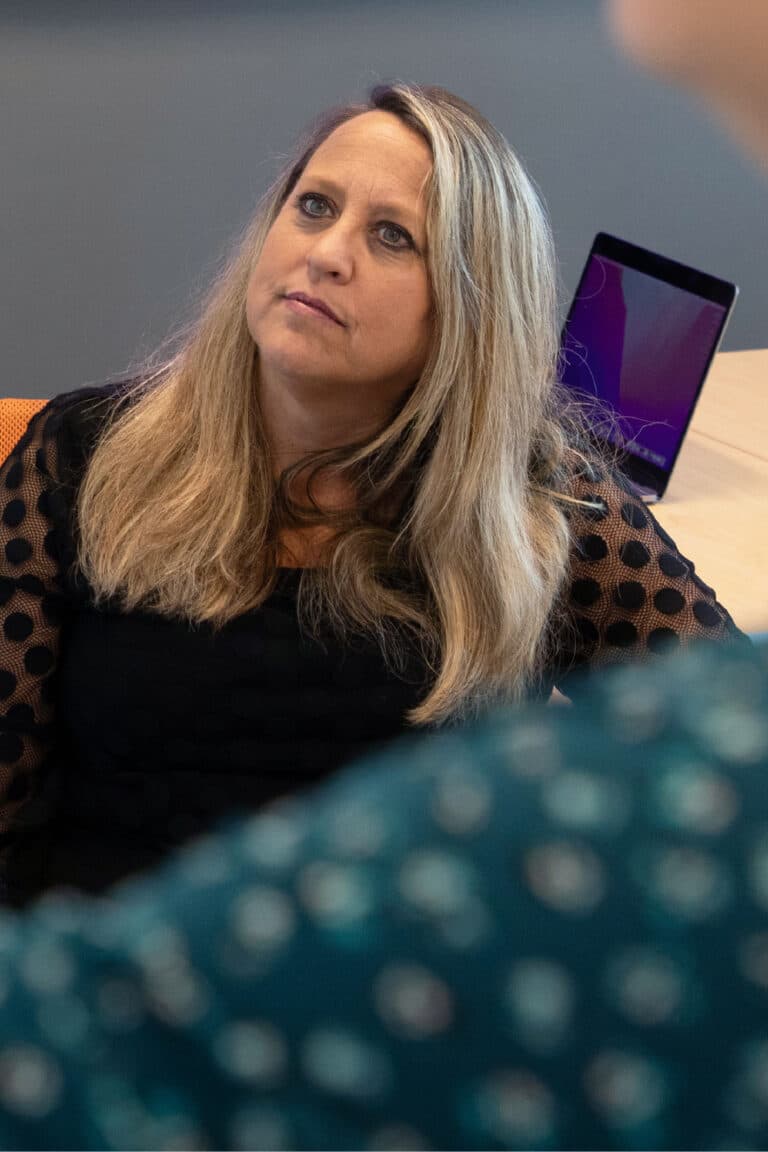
(630, 593)
(31, 604)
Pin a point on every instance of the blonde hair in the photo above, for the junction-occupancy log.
(179, 513)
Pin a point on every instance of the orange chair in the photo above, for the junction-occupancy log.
(15, 415)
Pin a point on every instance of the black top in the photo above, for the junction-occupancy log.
(123, 734)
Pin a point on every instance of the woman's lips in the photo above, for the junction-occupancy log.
(303, 309)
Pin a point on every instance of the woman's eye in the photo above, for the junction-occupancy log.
(303, 200)
(308, 197)
(394, 228)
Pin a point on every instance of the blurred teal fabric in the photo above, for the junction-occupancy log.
(546, 930)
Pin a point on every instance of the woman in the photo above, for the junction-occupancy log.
(451, 547)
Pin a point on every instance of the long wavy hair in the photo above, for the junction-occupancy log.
(458, 542)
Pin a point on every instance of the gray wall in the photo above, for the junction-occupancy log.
(135, 139)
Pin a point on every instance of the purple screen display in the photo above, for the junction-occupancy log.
(642, 346)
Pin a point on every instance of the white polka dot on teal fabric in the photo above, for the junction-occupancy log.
(624, 1088)
(584, 801)
(47, 966)
(253, 1051)
(646, 986)
(260, 1127)
(204, 865)
(540, 996)
(746, 1094)
(160, 947)
(567, 876)
(692, 797)
(357, 832)
(637, 711)
(436, 883)
(397, 1138)
(413, 1002)
(343, 1063)
(461, 803)
(530, 750)
(441, 751)
(335, 895)
(735, 732)
(263, 919)
(512, 1108)
(31, 1081)
(690, 883)
(273, 841)
(753, 959)
(176, 994)
(172, 989)
(758, 868)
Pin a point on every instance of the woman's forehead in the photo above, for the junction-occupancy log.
(384, 145)
(390, 168)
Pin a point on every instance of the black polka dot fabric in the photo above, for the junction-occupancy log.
(30, 617)
(630, 592)
(29, 584)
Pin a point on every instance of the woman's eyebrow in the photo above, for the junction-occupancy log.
(379, 206)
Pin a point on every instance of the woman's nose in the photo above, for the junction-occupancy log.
(334, 250)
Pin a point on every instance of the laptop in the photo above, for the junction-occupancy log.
(639, 337)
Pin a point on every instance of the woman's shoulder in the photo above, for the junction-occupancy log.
(74, 419)
(87, 401)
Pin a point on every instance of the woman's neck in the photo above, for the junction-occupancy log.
(302, 547)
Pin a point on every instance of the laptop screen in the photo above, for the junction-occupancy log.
(644, 346)
(640, 335)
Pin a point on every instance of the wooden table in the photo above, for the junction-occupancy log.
(716, 505)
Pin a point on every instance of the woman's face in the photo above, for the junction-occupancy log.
(352, 234)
